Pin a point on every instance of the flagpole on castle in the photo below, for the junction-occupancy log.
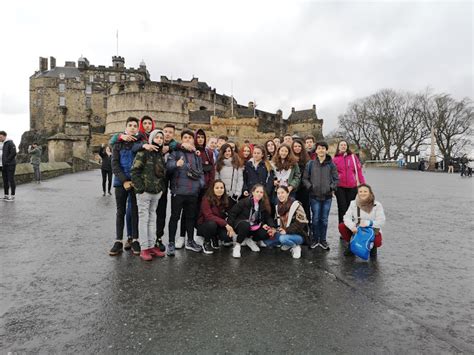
(116, 36)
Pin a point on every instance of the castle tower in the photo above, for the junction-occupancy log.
(118, 62)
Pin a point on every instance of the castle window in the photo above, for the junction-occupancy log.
(91, 78)
(88, 102)
(112, 78)
(202, 108)
(105, 102)
(88, 89)
(62, 101)
(62, 87)
(122, 77)
(132, 77)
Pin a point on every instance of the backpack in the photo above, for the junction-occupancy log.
(363, 241)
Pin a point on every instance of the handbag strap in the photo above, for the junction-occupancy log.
(358, 215)
(356, 171)
(232, 179)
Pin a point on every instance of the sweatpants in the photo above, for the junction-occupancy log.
(243, 231)
(147, 204)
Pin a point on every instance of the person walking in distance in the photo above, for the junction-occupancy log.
(35, 151)
(8, 152)
(106, 167)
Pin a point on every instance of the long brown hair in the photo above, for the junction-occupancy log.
(213, 199)
(286, 164)
(348, 151)
(265, 199)
(303, 156)
(220, 158)
(266, 148)
(264, 157)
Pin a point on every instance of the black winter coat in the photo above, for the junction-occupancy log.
(241, 212)
(9, 153)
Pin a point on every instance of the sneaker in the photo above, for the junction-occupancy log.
(244, 242)
(285, 247)
(215, 244)
(252, 245)
(324, 245)
(179, 243)
(199, 240)
(314, 244)
(262, 244)
(116, 249)
(171, 249)
(192, 245)
(206, 248)
(103, 193)
(135, 246)
(10, 199)
(227, 244)
(236, 251)
(156, 252)
(5, 197)
(296, 252)
(159, 244)
(128, 244)
(110, 193)
(146, 255)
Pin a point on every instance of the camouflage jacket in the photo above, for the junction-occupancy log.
(148, 172)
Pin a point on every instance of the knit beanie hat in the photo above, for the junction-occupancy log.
(153, 135)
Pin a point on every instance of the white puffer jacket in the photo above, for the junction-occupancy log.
(376, 216)
(233, 185)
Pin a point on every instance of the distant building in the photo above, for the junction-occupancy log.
(78, 107)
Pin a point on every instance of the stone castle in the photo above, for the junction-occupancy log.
(74, 109)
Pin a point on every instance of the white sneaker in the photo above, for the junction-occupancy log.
(179, 243)
(236, 251)
(252, 245)
(262, 244)
(296, 252)
(244, 242)
(285, 247)
(10, 199)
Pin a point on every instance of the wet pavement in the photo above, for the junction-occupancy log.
(62, 293)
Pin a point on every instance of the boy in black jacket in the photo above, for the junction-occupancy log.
(8, 166)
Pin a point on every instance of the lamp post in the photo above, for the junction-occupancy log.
(432, 161)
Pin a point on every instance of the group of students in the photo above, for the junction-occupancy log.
(274, 195)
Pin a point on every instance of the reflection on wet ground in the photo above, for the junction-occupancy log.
(61, 292)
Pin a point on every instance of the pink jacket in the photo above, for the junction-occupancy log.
(346, 170)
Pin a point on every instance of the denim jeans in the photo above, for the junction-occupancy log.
(121, 196)
(37, 171)
(147, 204)
(290, 240)
(320, 216)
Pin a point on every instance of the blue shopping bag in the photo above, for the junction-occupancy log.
(362, 242)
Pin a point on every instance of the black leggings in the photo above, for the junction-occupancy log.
(243, 231)
(187, 204)
(106, 174)
(344, 196)
(8, 175)
(211, 230)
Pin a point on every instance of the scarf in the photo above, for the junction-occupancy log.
(283, 209)
(365, 206)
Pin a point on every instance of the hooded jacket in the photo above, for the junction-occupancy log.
(258, 175)
(207, 158)
(123, 155)
(35, 155)
(9, 152)
(148, 170)
(347, 171)
(181, 184)
(321, 179)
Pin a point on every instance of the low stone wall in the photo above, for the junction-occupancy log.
(24, 172)
(380, 164)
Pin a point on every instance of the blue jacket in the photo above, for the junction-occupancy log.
(260, 175)
(122, 160)
(181, 184)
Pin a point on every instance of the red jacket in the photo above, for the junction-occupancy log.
(211, 213)
(346, 170)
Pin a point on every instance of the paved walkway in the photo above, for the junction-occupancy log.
(61, 292)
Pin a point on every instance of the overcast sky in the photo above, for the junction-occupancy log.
(281, 54)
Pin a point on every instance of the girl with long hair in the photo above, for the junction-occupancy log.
(258, 171)
(270, 148)
(245, 153)
(302, 156)
(229, 169)
(287, 171)
(364, 211)
(350, 174)
(212, 224)
(251, 219)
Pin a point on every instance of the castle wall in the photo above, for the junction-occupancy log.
(304, 128)
(165, 103)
